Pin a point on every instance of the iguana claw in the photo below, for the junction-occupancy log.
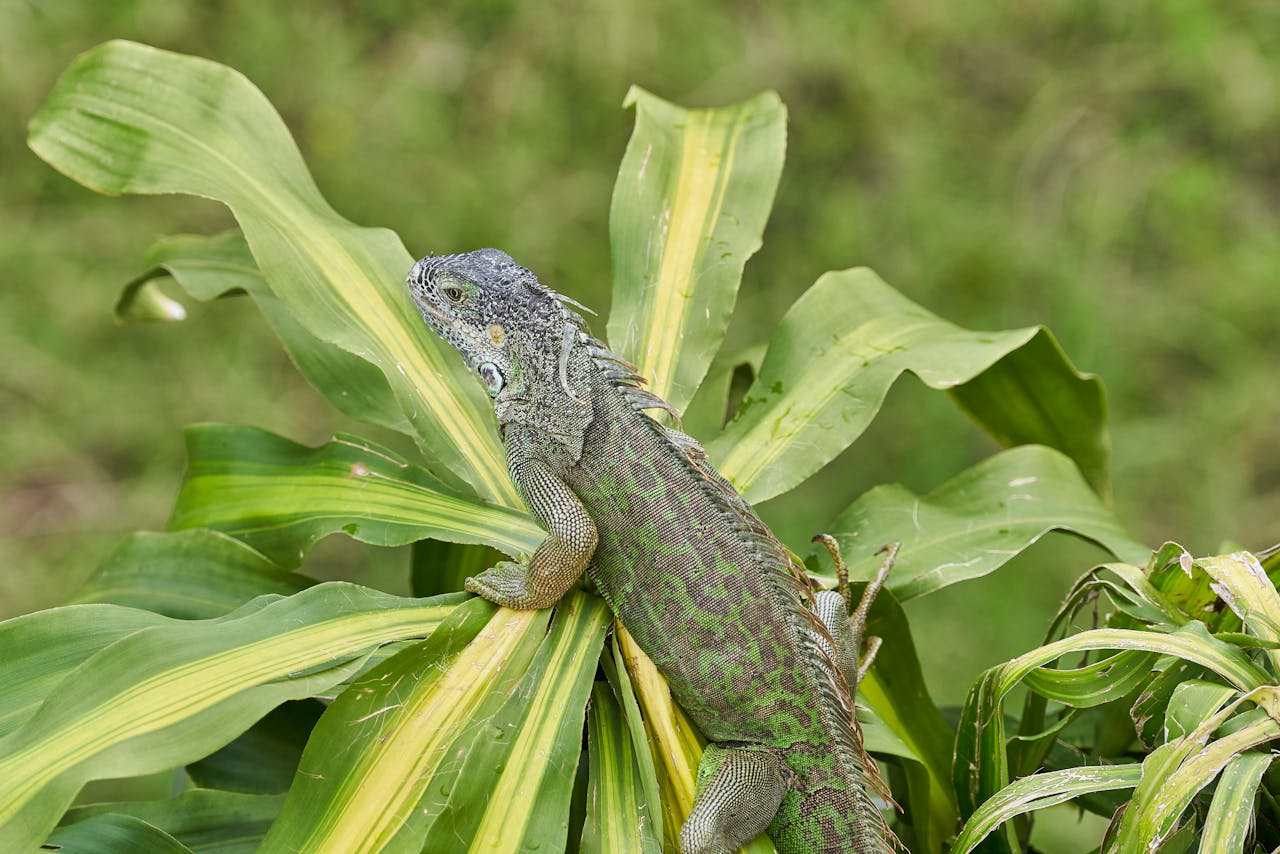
(506, 583)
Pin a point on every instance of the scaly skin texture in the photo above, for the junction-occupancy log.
(761, 663)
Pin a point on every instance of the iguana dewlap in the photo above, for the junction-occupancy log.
(698, 580)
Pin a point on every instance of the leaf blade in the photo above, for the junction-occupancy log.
(127, 118)
(689, 207)
(280, 497)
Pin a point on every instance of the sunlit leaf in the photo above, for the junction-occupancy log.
(209, 267)
(1039, 791)
(617, 817)
(520, 769)
(1242, 583)
(42, 648)
(373, 754)
(171, 693)
(832, 361)
(693, 193)
(1230, 815)
(977, 521)
(280, 497)
(127, 118)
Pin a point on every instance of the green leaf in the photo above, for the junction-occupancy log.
(1173, 774)
(831, 363)
(1243, 584)
(280, 497)
(264, 759)
(190, 575)
(1035, 396)
(127, 118)
(115, 832)
(213, 266)
(693, 193)
(895, 690)
(518, 776)
(42, 648)
(615, 669)
(617, 810)
(1039, 791)
(977, 521)
(370, 761)
(981, 766)
(1230, 815)
(438, 566)
(170, 693)
(201, 819)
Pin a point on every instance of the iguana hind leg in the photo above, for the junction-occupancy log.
(849, 629)
(740, 788)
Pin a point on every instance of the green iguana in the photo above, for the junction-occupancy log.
(762, 663)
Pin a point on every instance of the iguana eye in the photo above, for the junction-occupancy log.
(453, 292)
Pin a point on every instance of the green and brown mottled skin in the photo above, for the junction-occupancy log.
(710, 595)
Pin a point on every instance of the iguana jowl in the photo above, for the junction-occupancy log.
(761, 664)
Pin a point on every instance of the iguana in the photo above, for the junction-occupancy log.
(762, 664)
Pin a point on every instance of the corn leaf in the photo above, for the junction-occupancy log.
(693, 193)
(168, 694)
(200, 819)
(1242, 583)
(192, 575)
(975, 522)
(127, 118)
(895, 690)
(264, 758)
(370, 760)
(1230, 815)
(116, 832)
(981, 766)
(217, 265)
(280, 497)
(617, 811)
(1039, 791)
(839, 349)
(40, 649)
(1174, 773)
(521, 767)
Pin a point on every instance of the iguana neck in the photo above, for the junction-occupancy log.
(554, 404)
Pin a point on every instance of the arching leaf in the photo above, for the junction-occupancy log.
(127, 118)
(693, 193)
(846, 341)
(280, 497)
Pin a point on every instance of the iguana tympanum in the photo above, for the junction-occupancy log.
(762, 664)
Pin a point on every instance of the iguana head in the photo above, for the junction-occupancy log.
(505, 323)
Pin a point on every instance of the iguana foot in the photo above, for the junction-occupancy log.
(854, 652)
(739, 791)
(507, 583)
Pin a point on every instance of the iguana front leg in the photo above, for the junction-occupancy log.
(559, 560)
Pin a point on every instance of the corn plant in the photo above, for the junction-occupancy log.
(1186, 693)
(310, 716)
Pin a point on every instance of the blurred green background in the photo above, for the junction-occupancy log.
(1111, 170)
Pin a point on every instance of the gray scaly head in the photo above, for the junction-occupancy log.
(495, 312)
